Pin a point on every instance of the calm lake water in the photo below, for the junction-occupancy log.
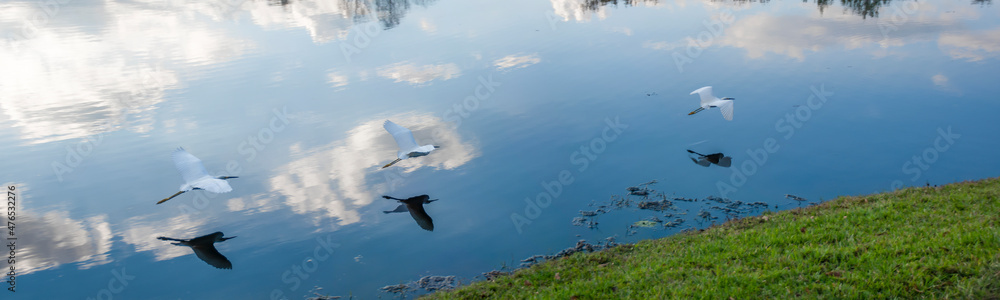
(568, 100)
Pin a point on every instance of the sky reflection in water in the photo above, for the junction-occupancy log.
(291, 98)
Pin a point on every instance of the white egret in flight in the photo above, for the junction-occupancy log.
(407, 144)
(709, 101)
(415, 205)
(195, 175)
(204, 248)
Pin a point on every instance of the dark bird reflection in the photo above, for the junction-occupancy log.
(204, 248)
(415, 205)
(718, 159)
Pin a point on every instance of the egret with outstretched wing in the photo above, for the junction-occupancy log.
(407, 144)
(195, 176)
(415, 205)
(716, 158)
(708, 101)
(204, 248)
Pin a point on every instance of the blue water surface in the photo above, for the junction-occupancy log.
(554, 105)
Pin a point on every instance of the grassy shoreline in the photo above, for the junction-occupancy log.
(928, 242)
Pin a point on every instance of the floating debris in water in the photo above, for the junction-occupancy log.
(794, 197)
(534, 259)
(580, 221)
(717, 199)
(725, 209)
(401, 288)
(639, 193)
(319, 296)
(644, 224)
(620, 202)
(434, 283)
(704, 214)
(581, 246)
(654, 200)
(656, 205)
(491, 275)
(427, 283)
(676, 222)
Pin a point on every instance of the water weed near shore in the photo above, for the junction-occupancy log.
(929, 242)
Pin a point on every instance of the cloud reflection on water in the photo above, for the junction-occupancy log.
(66, 82)
(330, 20)
(337, 179)
(49, 239)
(796, 36)
(142, 231)
(417, 75)
(971, 46)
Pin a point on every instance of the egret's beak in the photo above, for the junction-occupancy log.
(392, 163)
(227, 177)
(226, 238)
(435, 147)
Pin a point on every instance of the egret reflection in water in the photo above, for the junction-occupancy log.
(204, 248)
(318, 178)
(337, 179)
(415, 205)
(195, 176)
(718, 159)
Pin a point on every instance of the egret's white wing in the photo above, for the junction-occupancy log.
(404, 137)
(727, 109)
(214, 185)
(190, 167)
(706, 94)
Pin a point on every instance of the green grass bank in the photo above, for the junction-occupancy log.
(930, 242)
